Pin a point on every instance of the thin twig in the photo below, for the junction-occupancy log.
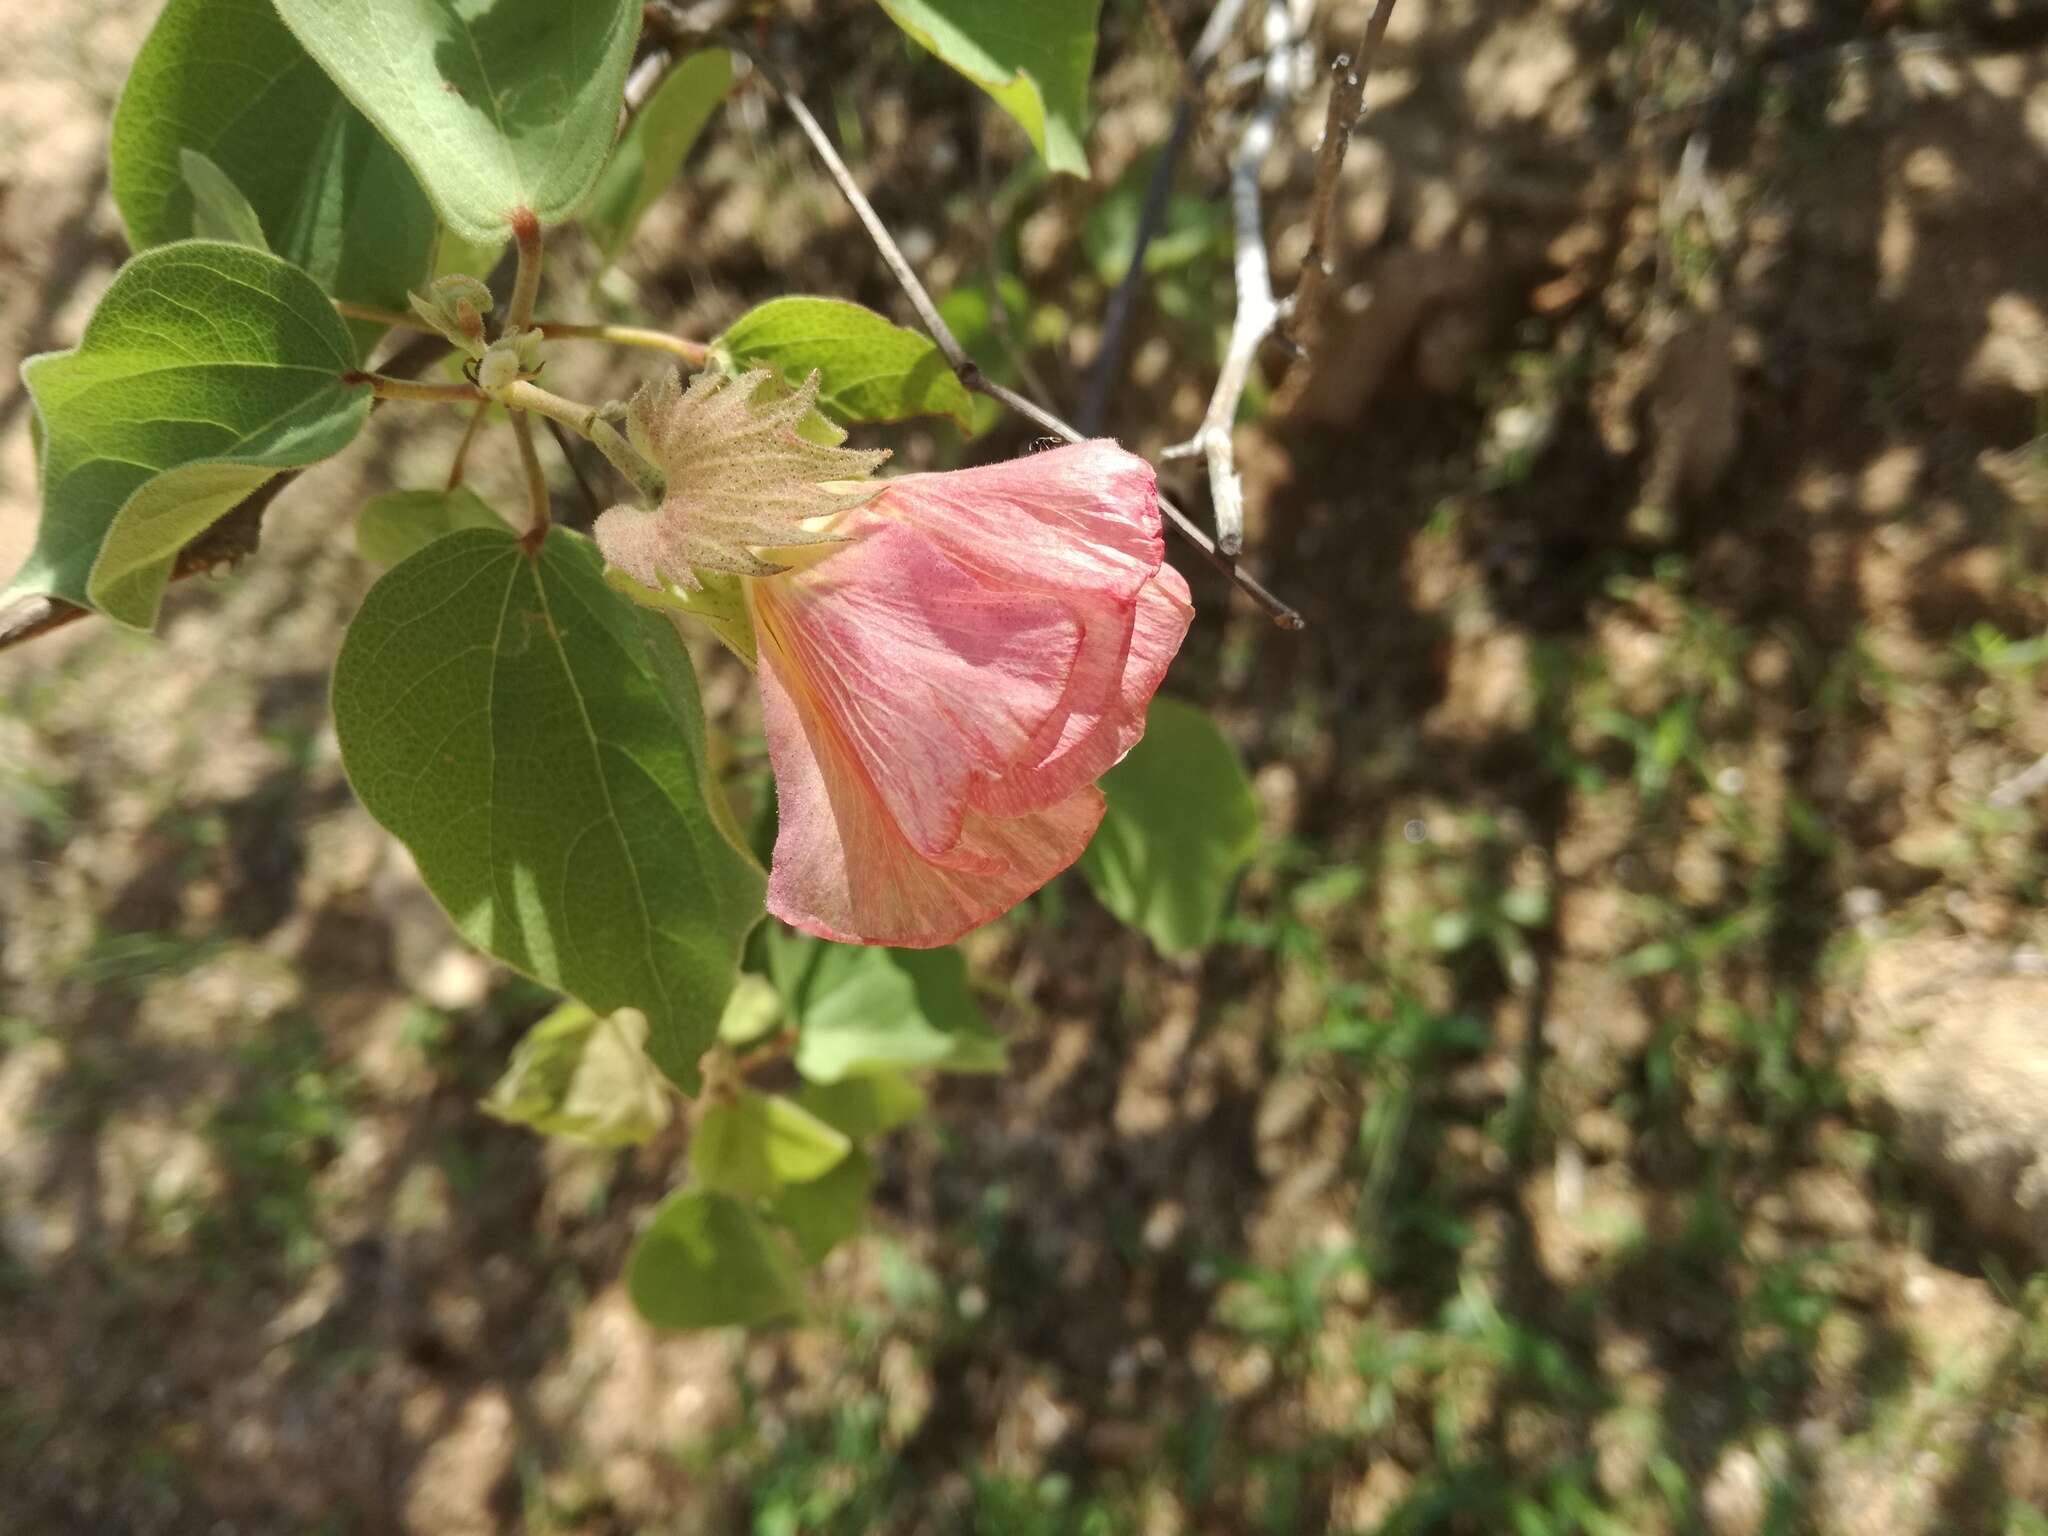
(1258, 313)
(225, 543)
(1107, 370)
(385, 387)
(587, 421)
(539, 512)
(1349, 73)
(964, 367)
(460, 463)
(691, 352)
(584, 489)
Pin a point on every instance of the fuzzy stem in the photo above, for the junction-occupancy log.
(585, 421)
(539, 515)
(526, 284)
(384, 387)
(692, 352)
(461, 459)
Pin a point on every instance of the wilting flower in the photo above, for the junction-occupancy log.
(944, 681)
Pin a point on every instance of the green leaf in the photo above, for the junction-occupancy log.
(865, 1106)
(206, 369)
(538, 743)
(825, 1212)
(706, 1261)
(754, 1009)
(1034, 59)
(654, 148)
(870, 369)
(862, 1010)
(471, 258)
(495, 104)
(219, 211)
(400, 524)
(584, 1077)
(225, 79)
(756, 1143)
(1181, 824)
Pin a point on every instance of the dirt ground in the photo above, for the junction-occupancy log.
(1617, 1102)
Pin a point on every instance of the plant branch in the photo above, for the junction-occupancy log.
(588, 421)
(385, 387)
(964, 367)
(592, 507)
(460, 462)
(693, 353)
(1258, 313)
(1116, 319)
(526, 280)
(1347, 105)
(538, 513)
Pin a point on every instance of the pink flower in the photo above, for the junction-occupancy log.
(942, 690)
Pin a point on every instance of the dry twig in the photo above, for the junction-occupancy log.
(1259, 315)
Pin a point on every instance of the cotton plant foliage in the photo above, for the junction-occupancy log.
(950, 665)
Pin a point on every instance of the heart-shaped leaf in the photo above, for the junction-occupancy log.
(205, 370)
(226, 80)
(862, 1010)
(400, 524)
(586, 1078)
(706, 1261)
(1034, 60)
(1181, 825)
(826, 1211)
(870, 369)
(757, 1143)
(537, 742)
(496, 104)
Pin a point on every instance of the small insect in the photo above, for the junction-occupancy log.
(1040, 444)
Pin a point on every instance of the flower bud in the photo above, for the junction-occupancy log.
(454, 306)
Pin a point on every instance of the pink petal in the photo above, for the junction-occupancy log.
(842, 870)
(1083, 518)
(941, 691)
(930, 675)
(1103, 714)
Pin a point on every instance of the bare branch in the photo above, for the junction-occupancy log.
(964, 367)
(1116, 319)
(1347, 105)
(1258, 313)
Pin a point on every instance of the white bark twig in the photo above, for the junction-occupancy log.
(1116, 318)
(1258, 313)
